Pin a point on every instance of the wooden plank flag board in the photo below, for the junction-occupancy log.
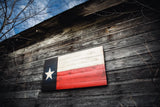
(76, 70)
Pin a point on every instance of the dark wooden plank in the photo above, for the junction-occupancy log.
(139, 72)
(29, 33)
(125, 62)
(132, 66)
(133, 61)
(18, 103)
(144, 47)
(140, 39)
(73, 46)
(141, 87)
(13, 86)
(116, 44)
(111, 29)
(106, 46)
(109, 55)
(99, 6)
(23, 79)
(123, 25)
(20, 94)
(130, 87)
(94, 34)
(101, 101)
(118, 24)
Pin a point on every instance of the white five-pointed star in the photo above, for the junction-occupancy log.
(49, 74)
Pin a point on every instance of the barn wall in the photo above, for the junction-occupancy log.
(132, 52)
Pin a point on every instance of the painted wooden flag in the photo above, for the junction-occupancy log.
(76, 70)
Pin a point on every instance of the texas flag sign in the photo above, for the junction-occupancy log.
(75, 70)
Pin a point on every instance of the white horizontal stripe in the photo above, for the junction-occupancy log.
(81, 59)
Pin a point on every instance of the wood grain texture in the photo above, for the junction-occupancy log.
(91, 28)
(53, 51)
(21, 94)
(134, 50)
(117, 100)
(99, 6)
(116, 64)
(131, 48)
(18, 102)
(128, 74)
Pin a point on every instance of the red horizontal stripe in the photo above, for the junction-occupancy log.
(82, 77)
(82, 84)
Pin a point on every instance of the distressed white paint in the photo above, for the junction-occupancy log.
(85, 58)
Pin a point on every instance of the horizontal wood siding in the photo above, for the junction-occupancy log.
(132, 53)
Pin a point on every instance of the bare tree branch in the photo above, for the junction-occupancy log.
(20, 21)
(5, 16)
(12, 9)
(10, 19)
(29, 2)
(147, 6)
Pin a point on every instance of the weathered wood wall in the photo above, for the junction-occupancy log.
(131, 44)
